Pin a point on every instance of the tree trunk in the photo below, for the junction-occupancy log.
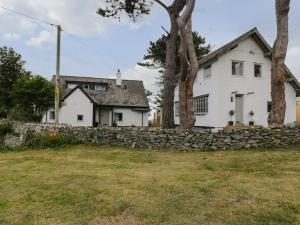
(170, 75)
(277, 114)
(189, 67)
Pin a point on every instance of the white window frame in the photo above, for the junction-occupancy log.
(261, 70)
(200, 104)
(177, 112)
(207, 71)
(240, 62)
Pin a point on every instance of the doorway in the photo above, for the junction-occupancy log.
(239, 109)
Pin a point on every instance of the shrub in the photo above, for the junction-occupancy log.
(5, 127)
(49, 140)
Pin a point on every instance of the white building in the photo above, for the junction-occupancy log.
(89, 101)
(237, 77)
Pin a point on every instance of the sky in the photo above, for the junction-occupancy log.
(96, 46)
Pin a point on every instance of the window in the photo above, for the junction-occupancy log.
(269, 106)
(52, 115)
(237, 68)
(118, 117)
(92, 87)
(200, 104)
(99, 87)
(207, 71)
(86, 86)
(79, 117)
(257, 70)
(177, 109)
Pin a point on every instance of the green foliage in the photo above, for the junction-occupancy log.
(49, 141)
(32, 97)
(133, 8)
(5, 127)
(11, 69)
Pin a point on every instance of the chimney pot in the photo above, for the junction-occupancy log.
(119, 80)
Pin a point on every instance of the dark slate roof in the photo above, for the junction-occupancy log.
(259, 39)
(130, 94)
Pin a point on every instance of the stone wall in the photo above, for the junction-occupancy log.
(171, 139)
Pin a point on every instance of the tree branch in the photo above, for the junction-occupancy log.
(162, 4)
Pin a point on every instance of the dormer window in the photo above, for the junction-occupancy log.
(100, 87)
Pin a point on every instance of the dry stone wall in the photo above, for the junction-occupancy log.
(167, 139)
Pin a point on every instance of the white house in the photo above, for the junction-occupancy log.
(237, 77)
(89, 101)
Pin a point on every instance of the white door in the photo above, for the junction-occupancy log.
(238, 109)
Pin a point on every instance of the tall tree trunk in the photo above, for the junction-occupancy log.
(189, 67)
(170, 75)
(277, 114)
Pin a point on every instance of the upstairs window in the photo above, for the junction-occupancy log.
(237, 68)
(207, 71)
(257, 70)
(176, 108)
(99, 87)
(86, 86)
(200, 104)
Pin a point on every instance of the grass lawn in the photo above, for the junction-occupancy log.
(112, 186)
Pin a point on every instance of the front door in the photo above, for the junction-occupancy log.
(239, 109)
(104, 116)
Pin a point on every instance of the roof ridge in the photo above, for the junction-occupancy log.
(89, 77)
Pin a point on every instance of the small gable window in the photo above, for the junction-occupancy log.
(79, 118)
(118, 117)
(207, 71)
(237, 68)
(257, 70)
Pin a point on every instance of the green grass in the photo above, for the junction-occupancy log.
(114, 186)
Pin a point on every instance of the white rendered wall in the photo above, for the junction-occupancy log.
(222, 85)
(77, 104)
(132, 118)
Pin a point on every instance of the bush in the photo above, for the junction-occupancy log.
(5, 127)
(50, 140)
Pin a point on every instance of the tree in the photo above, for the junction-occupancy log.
(11, 69)
(136, 8)
(156, 59)
(278, 71)
(32, 96)
(188, 67)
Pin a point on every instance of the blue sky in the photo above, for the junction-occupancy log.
(101, 46)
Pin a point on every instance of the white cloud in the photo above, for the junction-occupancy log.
(43, 37)
(11, 36)
(77, 17)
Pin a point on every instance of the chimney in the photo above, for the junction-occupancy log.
(119, 80)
